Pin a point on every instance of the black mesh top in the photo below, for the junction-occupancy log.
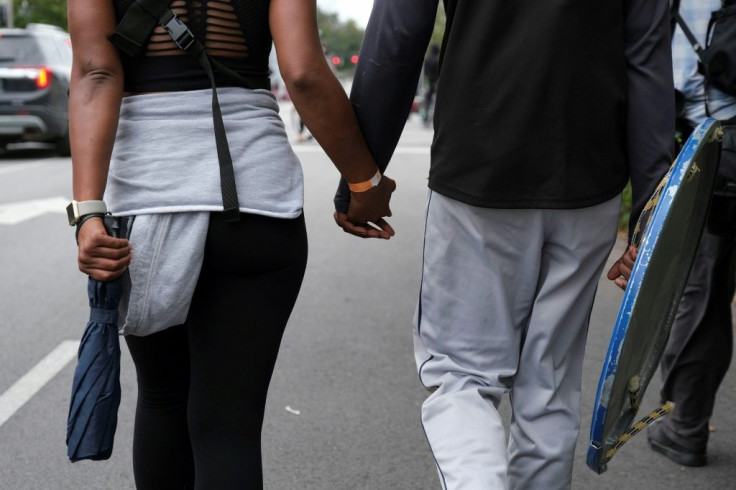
(235, 32)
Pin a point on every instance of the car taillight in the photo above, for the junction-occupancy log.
(26, 78)
(43, 79)
(40, 75)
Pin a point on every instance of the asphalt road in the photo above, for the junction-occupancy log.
(343, 411)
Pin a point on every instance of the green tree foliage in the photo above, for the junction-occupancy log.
(340, 38)
(623, 222)
(40, 11)
(439, 25)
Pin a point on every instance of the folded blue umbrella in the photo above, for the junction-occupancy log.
(93, 411)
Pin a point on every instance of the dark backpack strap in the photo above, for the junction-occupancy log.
(697, 47)
(689, 35)
(131, 35)
(185, 40)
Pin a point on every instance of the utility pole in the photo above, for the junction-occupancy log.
(6, 13)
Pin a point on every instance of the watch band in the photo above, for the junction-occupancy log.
(366, 185)
(83, 220)
(77, 209)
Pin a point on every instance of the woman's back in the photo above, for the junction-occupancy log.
(236, 32)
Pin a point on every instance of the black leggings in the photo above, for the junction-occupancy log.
(202, 385)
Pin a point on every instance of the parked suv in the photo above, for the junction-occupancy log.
(35, 68)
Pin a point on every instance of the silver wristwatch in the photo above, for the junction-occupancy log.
(76, 210)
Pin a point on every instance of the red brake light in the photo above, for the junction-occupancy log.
(40, 75)
(44, 78)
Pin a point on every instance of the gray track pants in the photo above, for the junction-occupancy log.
(504, 307)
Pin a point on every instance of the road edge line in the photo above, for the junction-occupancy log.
(31, 383)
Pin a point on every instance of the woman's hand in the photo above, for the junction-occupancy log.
(101, 256)
(369, 207)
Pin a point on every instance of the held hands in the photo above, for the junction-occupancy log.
(101, 256)
(367, 209)
(621, 270)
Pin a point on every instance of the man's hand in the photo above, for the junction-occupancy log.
(381, 230)
(371, 205)
(621, 270)
(101, 256)
(367, 210)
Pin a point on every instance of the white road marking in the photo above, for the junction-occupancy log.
(18, 166)
(16, 212)
(23, 390)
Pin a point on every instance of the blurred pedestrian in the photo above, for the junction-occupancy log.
(544, 110)
(210, 287)
(431, 72)
(700, 346)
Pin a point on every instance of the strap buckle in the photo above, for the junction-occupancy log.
(178, 30)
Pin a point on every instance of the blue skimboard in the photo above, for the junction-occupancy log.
(668, 234)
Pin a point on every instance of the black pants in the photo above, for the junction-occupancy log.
(700, 346)
(202, 385)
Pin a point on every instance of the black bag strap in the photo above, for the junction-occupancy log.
(186, 41)
(132, 33)
(131, 36)
(697, 47)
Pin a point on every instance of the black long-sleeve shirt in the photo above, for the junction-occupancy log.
(540, 103)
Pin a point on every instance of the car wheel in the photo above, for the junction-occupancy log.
(63, 146)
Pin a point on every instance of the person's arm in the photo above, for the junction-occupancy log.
(94, 105)
(324, 107)
(650, 125)
(651, 98)
(389, 66)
